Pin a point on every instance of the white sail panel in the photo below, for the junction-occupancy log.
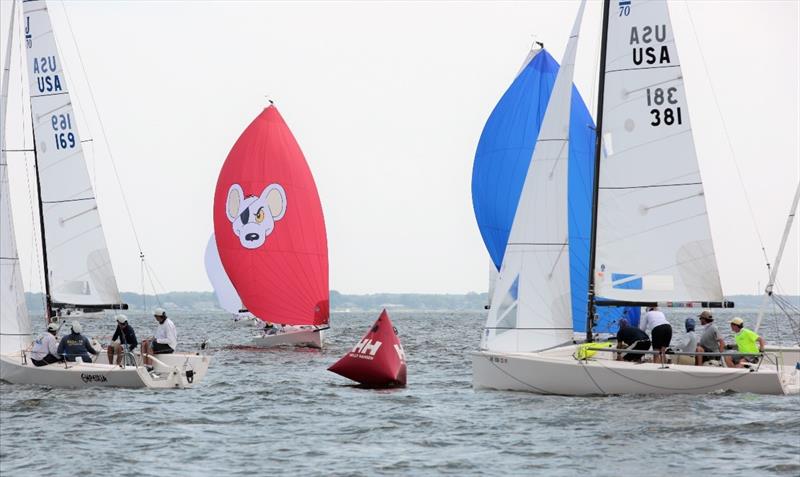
(226, 294)
(15, 324)
(653, 235)
(531, 307)
(79, 267)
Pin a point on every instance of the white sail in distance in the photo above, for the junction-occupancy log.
(226, 294)
(653, 235)
(15, 324)
(79, 266)
(531, 306)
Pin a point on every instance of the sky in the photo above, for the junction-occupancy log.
(387, 101)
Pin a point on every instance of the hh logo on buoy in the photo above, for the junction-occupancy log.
(400, 352)
(366, 348)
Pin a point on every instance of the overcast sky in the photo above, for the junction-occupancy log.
(387, 101)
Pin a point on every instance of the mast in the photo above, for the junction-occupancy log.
(596, 181)
(774, 270)
(48, 313)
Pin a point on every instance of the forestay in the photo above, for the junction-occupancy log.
(15, 324)
(79, 267)
(531, 307)
(653, 236)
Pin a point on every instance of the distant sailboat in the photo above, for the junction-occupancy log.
(270, 233)
(650, 242)
(78, 275)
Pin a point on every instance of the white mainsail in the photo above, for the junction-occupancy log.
(15, 324)
(531, 306)
(79, 266)
(226, 294)
(653, 235)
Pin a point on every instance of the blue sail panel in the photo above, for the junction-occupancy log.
(505, 149)
(501, 163)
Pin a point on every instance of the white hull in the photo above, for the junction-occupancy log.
(169, 371)
(292, 336)
(557, 372)
(786, 355)
(247, 321)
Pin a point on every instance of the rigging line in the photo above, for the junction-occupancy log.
(558, 258)
(651, 186)
(648, 208)
(727, 135)
(103, 132)
(585, 368)
(538, 390)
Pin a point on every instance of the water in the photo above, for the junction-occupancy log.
(279, 412)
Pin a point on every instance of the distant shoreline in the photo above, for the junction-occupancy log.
(205, 301)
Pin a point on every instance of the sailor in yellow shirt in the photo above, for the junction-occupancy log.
(746, 343)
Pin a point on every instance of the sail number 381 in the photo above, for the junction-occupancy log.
(64, 137)
(664, 116)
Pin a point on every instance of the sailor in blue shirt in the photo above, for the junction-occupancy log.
(76, 345)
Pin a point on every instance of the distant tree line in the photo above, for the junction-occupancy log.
(196, 301)
(339, 301)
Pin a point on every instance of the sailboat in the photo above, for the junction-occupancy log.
(269, 234)
(78, 274)
(504, 153)
(787, 355)
(650, 237)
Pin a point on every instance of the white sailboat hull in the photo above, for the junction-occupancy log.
(246, 321)
(786, 355)
(292, 336)
(169, 371)
(557, 372)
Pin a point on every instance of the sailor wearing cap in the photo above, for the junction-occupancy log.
(710, 341)
(45, 348)
(124, 337)
(166, 336)
(747, 341)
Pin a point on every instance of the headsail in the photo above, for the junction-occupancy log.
(15, 324)
(503, 156)
(269, 227)
(223, 288)
(79, 266)
(531, 308)
(653, 235)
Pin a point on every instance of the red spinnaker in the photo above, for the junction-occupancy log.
(378, 360)
(269, 226)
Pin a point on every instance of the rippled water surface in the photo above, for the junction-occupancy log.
(279, 412)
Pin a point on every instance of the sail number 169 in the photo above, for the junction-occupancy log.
(664, 116)
(63, 122)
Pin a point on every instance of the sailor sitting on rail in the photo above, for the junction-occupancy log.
(746, 340)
